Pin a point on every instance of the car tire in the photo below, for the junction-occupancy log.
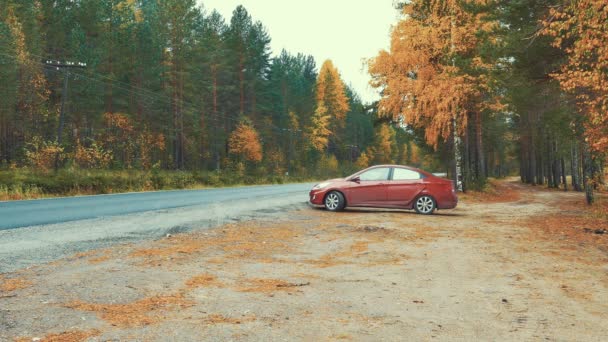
(425, 205)
(334, 201)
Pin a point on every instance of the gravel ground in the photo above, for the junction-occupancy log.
(29, 246)
(515, 266)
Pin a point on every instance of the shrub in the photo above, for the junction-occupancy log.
(42, 154)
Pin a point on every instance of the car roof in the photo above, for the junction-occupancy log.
(394, 165)
(399, 166)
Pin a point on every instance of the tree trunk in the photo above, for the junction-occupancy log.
(549, 167)
(466, 164)
(564, 180)
(3, 138)
(574, 162)
(242, 86)
(216, 138)
(588, 174)
(522, 163)
(480, 172)
(109, 89)
(556, 166)
(533, 168)
(182, 150)
(176, 119)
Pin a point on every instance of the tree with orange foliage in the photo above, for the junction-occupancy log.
(580, 28)
(384, 145)
(331, 91)
(413, 154)
(363, 161)
(245, 141)
(332, 106)
(433, 76)
(318, 132)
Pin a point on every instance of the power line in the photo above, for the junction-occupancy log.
(66, 66)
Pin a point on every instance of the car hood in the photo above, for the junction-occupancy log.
(333, 181)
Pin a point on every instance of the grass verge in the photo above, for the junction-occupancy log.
(31, 184)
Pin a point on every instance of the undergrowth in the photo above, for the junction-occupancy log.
(22, 184)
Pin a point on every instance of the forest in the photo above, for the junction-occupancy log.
(103, 96)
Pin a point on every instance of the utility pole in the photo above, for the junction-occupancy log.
(66, 66)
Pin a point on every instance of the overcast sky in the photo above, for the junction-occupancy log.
(345, 31)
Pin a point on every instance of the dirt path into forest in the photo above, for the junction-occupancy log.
(521, 264)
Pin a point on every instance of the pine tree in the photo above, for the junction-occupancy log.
(332, 106)
(179, 18)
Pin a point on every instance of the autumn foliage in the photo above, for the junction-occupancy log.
(332, 106)
(42, 155)
(381, 152)
(331, 91)
(580, 28)
(92, 157)
(432, 75)
(245, 141)
(128, 144)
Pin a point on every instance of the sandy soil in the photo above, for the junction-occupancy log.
(520, 264)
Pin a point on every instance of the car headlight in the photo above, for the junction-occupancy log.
(321, 185)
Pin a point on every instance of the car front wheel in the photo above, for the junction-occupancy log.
(425, 205)
(334, 201)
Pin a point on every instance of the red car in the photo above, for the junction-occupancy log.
(386, 186)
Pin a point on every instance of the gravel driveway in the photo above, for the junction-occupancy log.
(521, 265)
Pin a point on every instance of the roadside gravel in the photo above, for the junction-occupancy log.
(30, 246)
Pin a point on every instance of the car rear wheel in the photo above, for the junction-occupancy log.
(425, 205)
(334, 201)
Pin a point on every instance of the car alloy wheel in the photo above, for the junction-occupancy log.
(425, 205)
(334, 201)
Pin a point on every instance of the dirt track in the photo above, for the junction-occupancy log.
(518, 265)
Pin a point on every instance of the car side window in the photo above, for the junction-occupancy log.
(379, 174)
(405, 174)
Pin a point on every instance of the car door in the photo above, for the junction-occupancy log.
(404, 186)
(370, 189)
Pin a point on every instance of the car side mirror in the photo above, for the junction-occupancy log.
(355, 179)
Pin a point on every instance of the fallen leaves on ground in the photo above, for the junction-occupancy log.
(576, 227)
(238, 242)
(66, 336)
(269, 285)
(139, 313)
(13, 284)
(496, 192)
(203, 280)
(219, 319)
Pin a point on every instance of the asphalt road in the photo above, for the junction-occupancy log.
(18, 214)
